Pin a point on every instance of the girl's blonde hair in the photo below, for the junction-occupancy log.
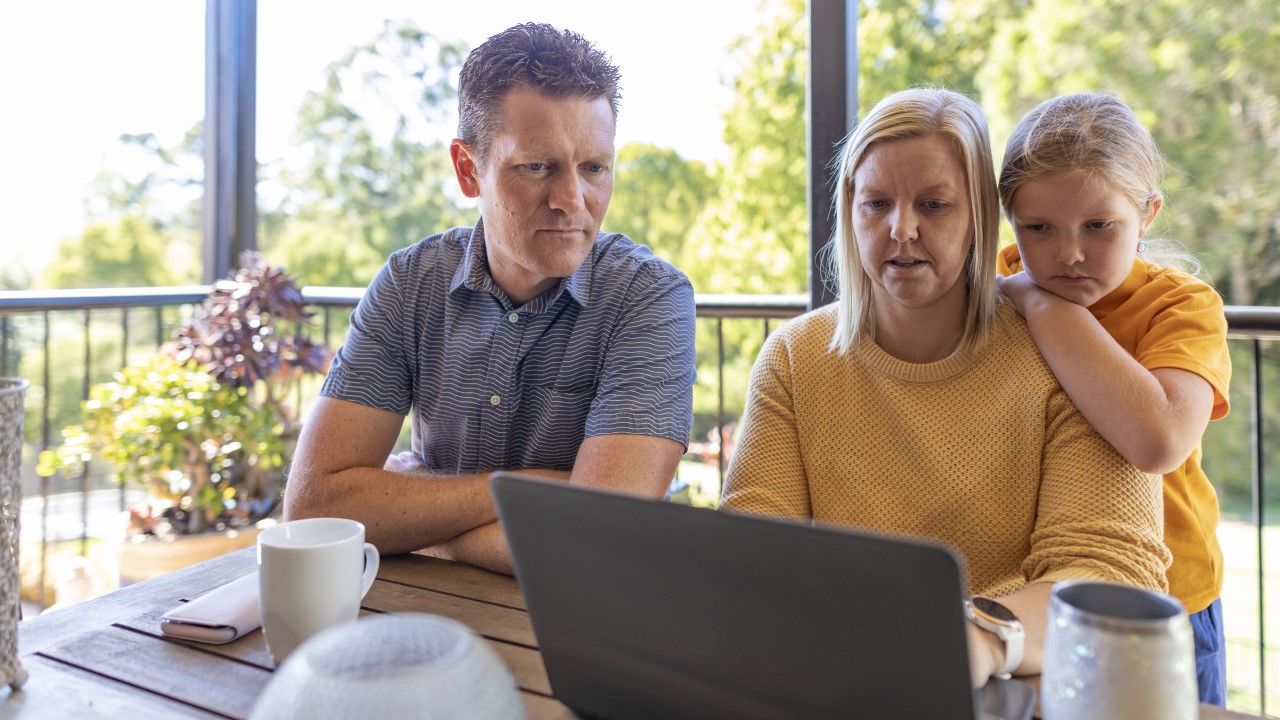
(1099, 135)
(914, 113)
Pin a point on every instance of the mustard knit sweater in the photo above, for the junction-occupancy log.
(982, 452)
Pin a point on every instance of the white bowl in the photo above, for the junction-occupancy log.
(392, 666)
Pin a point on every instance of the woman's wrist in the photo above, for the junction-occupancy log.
(986, 654)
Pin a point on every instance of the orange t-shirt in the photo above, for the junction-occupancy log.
(1166, 318)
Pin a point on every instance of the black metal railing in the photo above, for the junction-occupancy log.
(144, 318)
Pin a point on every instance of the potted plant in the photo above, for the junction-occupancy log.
(206, 425)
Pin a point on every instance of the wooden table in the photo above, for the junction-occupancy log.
(106, 658)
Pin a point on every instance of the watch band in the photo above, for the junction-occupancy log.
(1001, 622)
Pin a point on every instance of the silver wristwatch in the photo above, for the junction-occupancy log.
(1001, 622)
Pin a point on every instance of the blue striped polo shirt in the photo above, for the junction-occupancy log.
(608, 350)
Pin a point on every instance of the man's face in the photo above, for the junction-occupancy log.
(544, 186)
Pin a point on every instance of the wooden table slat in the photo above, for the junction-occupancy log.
(161, 593)
(537, 707)
(169, 669)
(251, 649)
(449, 577)
(55, 690)
(492, 621)
(526, 665)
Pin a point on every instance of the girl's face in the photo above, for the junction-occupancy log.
(1077, 237)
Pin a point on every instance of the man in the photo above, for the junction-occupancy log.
(530, 342)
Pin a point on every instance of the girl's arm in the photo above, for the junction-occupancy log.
(1154, 418)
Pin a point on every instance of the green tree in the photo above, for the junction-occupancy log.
(904, 44)
(657, 197)
(129, 252)
(376, 175)
(1205, 80)
(143, 227)
(754, 235)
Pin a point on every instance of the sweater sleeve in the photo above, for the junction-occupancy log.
(766, 474)
(1098, 516)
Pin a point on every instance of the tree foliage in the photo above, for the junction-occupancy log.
(375, 174)
(1204, 79)
(657, 197)
(754, 235)
(143, 224)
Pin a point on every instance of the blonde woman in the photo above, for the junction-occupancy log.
(918, 405)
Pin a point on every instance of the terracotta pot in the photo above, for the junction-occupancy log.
(150, 557)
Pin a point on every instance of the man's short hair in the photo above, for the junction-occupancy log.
(537, 56)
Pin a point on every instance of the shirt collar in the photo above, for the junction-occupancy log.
(473, 274)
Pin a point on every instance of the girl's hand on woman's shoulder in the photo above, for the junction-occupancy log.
(1019, 289)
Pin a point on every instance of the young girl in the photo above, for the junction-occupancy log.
(1139, 347)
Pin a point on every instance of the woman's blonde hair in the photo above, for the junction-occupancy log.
(1098, 135)
(915, 113)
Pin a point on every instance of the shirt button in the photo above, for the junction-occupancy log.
(513, 318)
(495, 400)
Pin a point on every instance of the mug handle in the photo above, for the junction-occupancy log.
(371, 559)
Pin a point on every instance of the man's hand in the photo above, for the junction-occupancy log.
(405, 462)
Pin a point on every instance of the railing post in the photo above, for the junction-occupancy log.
(44, 445)
(4, 345)
(124, 362)
(1259, 517)
(84, 472)
(720, 398)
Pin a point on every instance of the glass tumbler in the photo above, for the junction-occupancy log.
(1116, 651)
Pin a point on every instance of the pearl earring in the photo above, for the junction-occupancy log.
(1142, 247)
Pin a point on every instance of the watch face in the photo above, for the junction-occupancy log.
(992, 608)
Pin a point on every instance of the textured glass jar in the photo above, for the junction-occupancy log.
(12, 393)
(1115, 651)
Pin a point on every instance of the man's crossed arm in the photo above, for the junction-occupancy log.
(340, 470)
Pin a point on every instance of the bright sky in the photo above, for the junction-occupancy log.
(76, 74)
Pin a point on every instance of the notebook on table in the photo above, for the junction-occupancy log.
(647, 609)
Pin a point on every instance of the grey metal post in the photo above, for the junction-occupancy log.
(833, 107)
(230, 214)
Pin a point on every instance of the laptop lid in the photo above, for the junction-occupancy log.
(645, 609)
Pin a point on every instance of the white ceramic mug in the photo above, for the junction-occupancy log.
(1116, 651)
(312, 575)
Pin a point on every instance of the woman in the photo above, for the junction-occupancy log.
(918, 405)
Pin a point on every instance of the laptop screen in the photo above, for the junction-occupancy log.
(644, 609)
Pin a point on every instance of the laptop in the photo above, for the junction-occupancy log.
(648, 609)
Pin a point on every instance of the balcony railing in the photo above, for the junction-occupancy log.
(139, 319)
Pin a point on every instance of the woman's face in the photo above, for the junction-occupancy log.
(913, 223)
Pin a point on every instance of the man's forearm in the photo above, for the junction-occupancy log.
(400, 511)
(485, 547)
